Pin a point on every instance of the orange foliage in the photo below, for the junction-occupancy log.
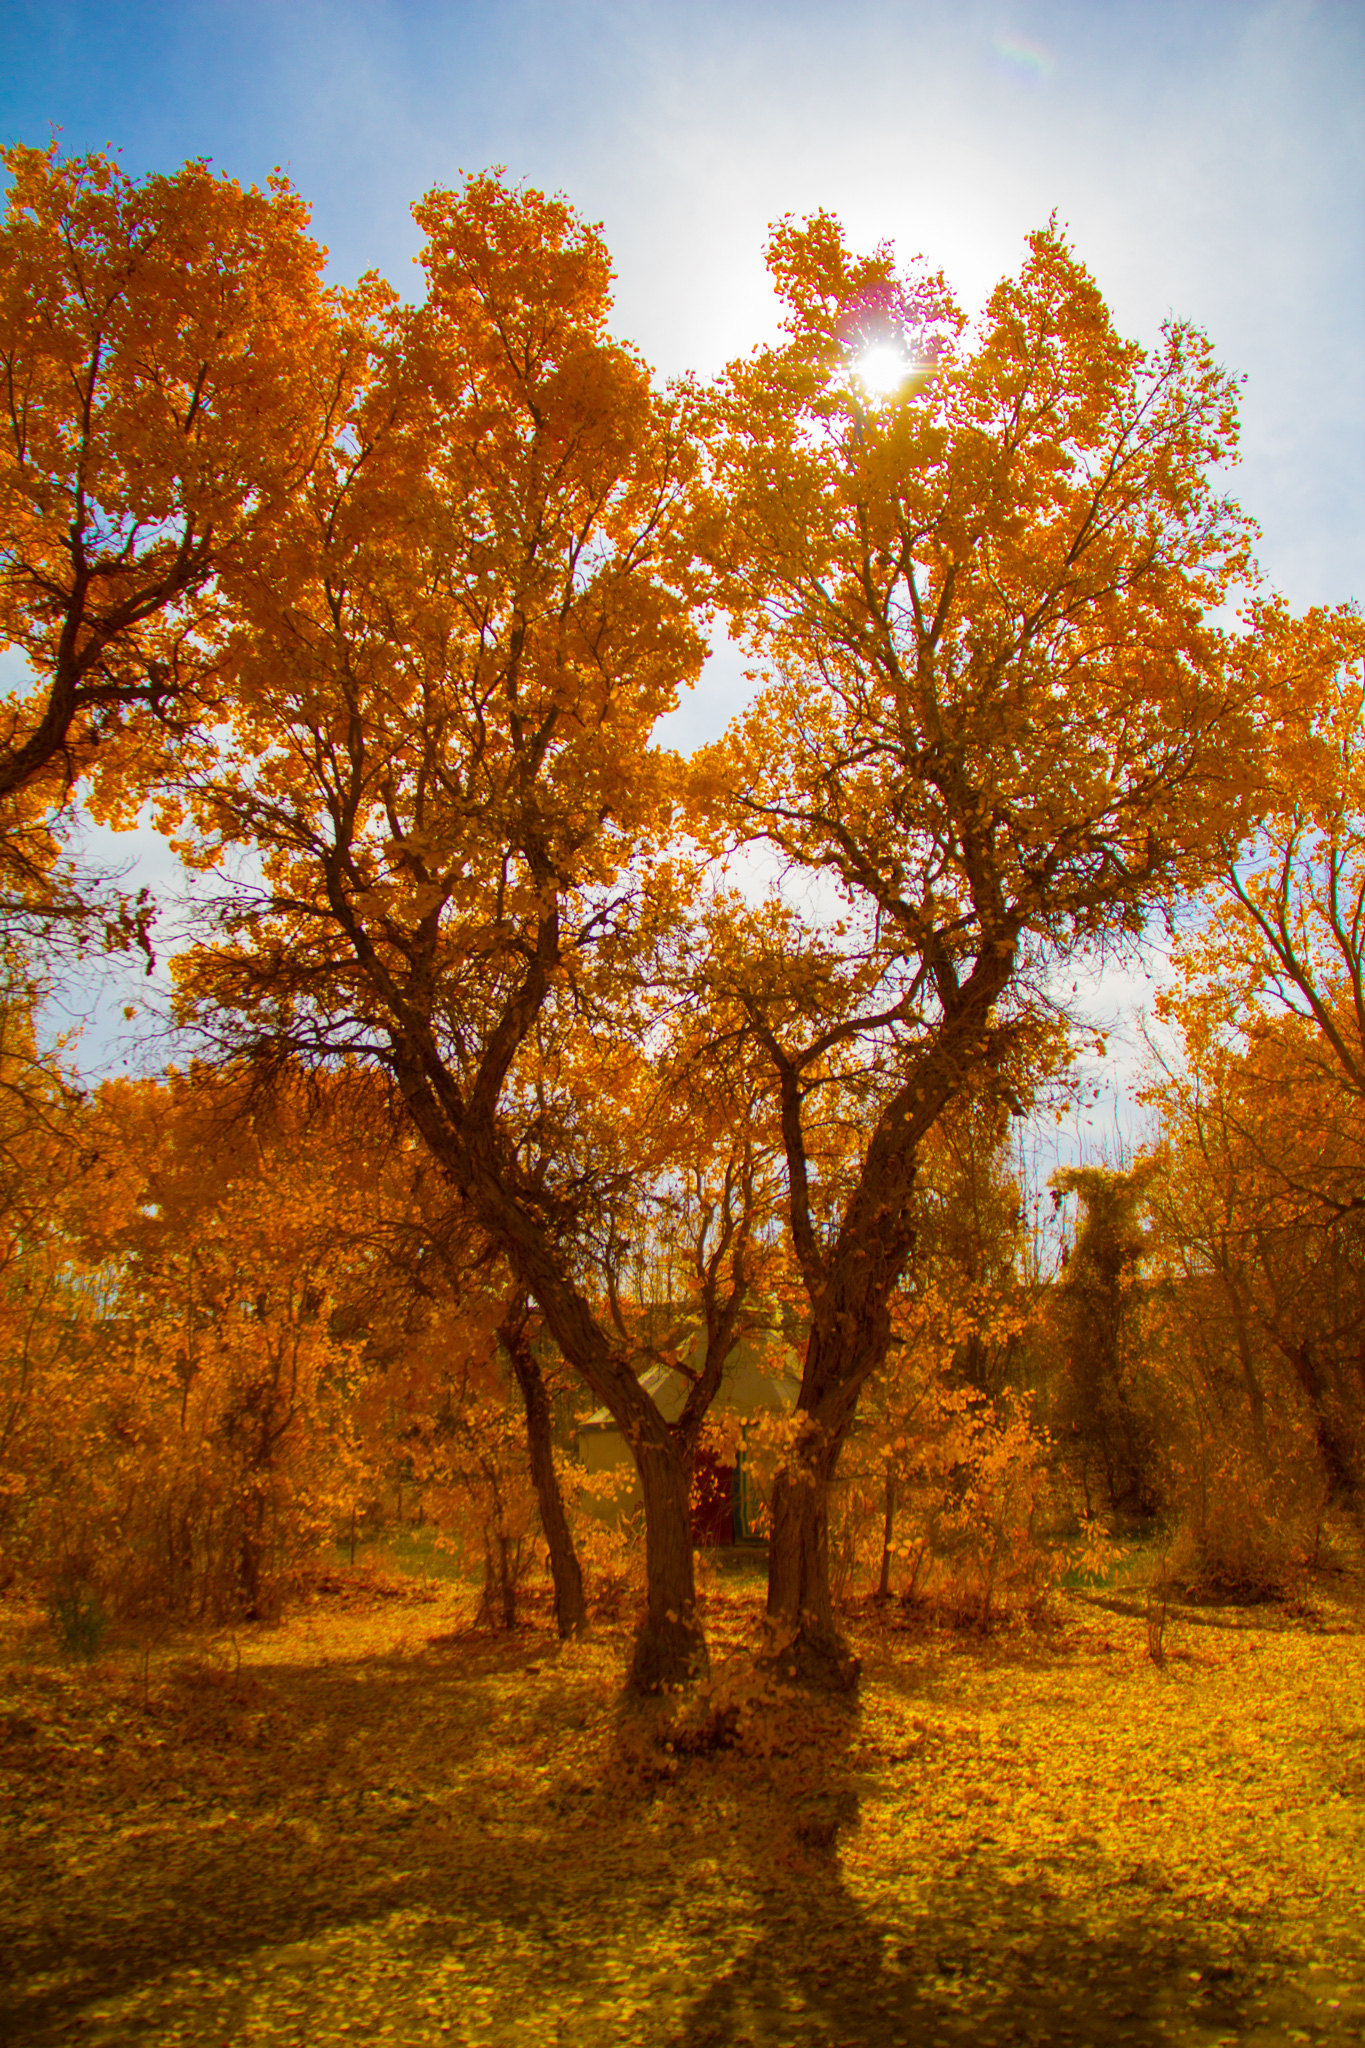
(157, 340)
(408, 587)
(209, 1240)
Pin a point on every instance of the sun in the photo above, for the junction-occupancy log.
(882, 368)
(886, 370)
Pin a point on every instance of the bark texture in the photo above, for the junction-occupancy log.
(803, 1641)
(670, 1648)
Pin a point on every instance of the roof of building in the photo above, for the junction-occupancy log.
(746, 1388)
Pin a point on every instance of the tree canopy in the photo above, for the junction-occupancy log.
(379, 604)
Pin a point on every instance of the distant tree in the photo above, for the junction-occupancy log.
(1097, 1325)
(1259, 1223)
(1263, 1119)
(193, 1441)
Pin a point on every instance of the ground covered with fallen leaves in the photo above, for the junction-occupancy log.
(374, 1823)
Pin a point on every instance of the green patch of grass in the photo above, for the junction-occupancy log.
(1135, 1562)
(415, 1553)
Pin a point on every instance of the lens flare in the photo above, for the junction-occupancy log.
(1025, 60)
(882, 368)
(886, 371)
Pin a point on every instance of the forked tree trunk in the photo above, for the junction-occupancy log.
(670, 1648)
(571, 1609)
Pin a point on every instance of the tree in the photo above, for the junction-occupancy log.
(1265, 1121)
(443, 677)
(1097, 1316)
(1282, 929)
(157, 400)
(227, 1227)
(1259, 1223)
(156, 340)
(999, 725)
(44, 1334)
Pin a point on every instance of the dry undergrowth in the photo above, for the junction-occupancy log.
(372, 1822)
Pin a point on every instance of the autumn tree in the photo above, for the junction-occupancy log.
(1000, 724)
(157, 400)
(1264, 1115)
(175, 1397)
(1097, 1328)
(45, 1331)
(1282, 924)
(443, 678)
(226, 1228)
(1259, 1228)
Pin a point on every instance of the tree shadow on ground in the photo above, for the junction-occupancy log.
(260, 1807)
(972, 1957)
(473, 1845)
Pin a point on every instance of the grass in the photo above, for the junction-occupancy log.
(1132, 1567)
(413, 1550)
(374, 1822)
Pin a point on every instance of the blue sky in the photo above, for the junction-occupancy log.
(1208, 157)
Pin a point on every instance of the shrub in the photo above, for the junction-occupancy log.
(78, 1620)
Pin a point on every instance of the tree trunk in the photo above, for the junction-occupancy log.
(670, 1648)
(571, 1610)
(1333, 1445)
(803, 1641)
